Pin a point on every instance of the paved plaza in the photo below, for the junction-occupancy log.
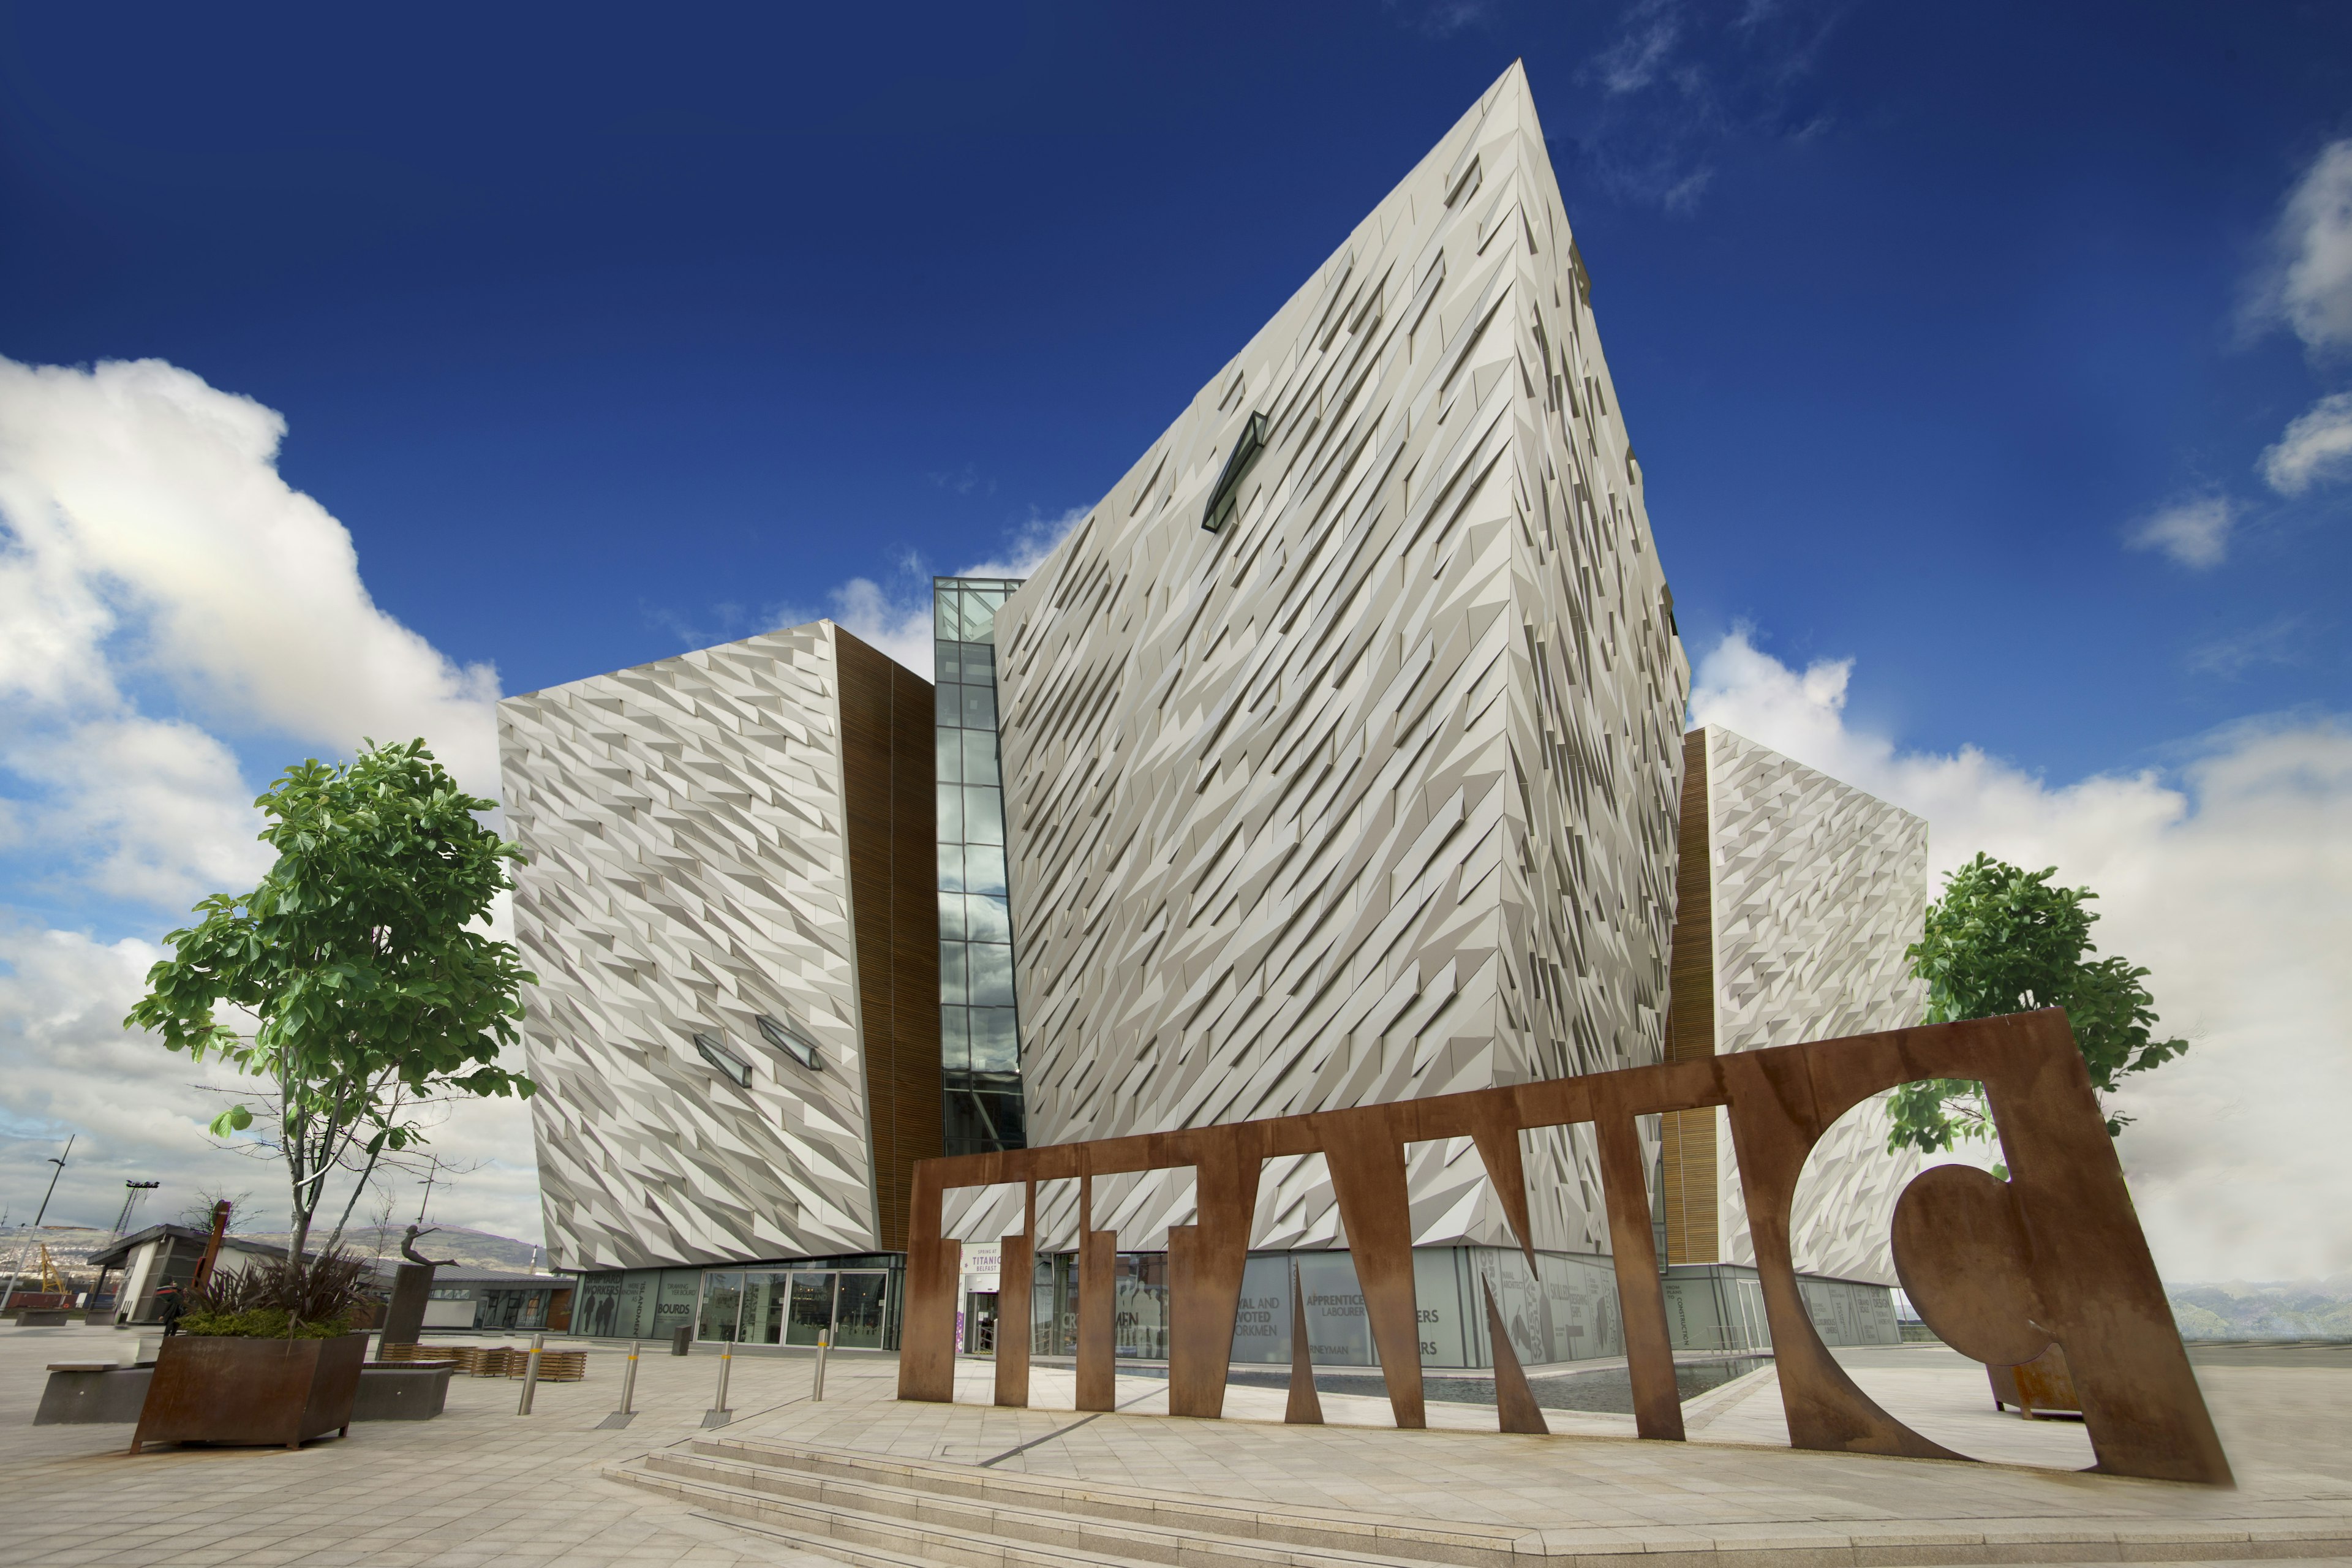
(482, 1485)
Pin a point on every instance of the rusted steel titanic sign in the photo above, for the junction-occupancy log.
(1999, 1269)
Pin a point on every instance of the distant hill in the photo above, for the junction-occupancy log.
(70, 1245)
(2290, 1310)
(471, 1248)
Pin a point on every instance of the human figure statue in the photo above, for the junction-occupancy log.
(412, 1288)
(408, 1248)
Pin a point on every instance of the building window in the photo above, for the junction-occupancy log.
(1225, 498)
(790, 1041)
(725, 1060)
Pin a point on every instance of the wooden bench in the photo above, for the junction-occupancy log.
(554, 1366)
(472, 1360)
(494, 1360)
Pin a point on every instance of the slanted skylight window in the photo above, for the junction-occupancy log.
(725, 1060)
(1226, 497)
(791, 1042)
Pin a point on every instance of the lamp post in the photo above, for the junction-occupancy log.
(132, 1191)
(26, 1251)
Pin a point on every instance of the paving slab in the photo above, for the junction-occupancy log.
(1593, 1487)
(481, 1485)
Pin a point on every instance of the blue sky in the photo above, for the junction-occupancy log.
(586, 331)
(1952, 340)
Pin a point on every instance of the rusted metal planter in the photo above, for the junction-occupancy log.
(250, 1392)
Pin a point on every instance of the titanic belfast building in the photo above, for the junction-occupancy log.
(1336, 757)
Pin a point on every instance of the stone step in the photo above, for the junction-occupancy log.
(1325, 1532)
(869, 1516)
(871, 1512)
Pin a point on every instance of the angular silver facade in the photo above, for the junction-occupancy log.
(1812, 890)
(1369, 793)
(693, 829)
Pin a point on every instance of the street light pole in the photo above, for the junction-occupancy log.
(131, 1193)
(26, 1250)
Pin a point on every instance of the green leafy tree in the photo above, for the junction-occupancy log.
(357, 964)
(2003, 939)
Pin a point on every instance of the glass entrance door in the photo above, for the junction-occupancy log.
(812, 1309)
(764, 1297)
(858, 1310)
(722, 1306)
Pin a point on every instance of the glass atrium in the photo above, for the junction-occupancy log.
(980, 1034)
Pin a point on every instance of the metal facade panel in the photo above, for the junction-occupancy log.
(1817, 889)
(1369, 794)
(689, 870)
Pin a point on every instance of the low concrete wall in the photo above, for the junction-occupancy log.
(96, 1392)
(406, 1392)
(82, 1392)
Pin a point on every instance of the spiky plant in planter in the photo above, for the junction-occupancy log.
(264, 1355)
(286, 1299)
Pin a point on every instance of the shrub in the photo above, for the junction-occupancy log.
(281, 1300)
(258, 1323)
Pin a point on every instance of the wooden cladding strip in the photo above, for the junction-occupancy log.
(889, 766)
(1694, 1229)
(1688, 1175)
(1691, 966)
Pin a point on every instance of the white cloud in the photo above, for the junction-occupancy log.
(2226, 880)
(2196, 533)
(67, 1067)
(1640, 51)
(150, 537)
(896, 617)
(1028, 546)
(147, 811)
(166, 595)
(900, 624)
(166, 592)
(2308, 284)
(2315, 449)
(2272, 642)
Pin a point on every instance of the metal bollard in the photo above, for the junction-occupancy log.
(531, 1373)
(628, 1411)
(823, 1343)
(719, 1415)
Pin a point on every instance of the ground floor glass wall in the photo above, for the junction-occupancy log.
(855, 1299)
(1720, 1307)
(796, 1307)
(1563, 1308)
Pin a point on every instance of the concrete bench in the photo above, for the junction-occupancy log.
(403, 1391)
(93, 1391)
(97, 1392)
